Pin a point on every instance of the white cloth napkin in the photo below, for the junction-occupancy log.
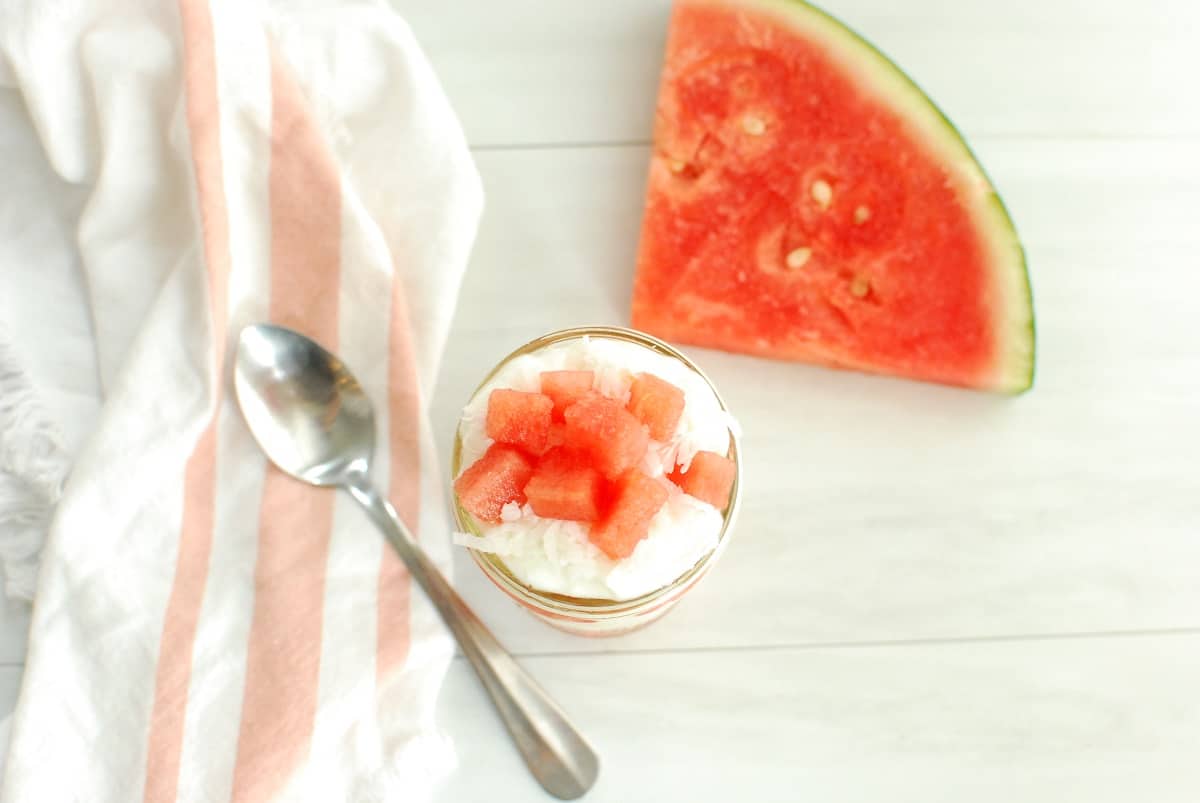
(204, 628)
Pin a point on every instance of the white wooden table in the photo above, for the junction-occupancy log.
(932, 595)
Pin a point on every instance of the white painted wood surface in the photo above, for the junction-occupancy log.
(932, 595)
(1107, 720)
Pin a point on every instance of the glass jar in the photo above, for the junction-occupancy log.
(598, 617)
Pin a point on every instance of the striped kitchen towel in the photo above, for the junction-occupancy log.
(205, 628)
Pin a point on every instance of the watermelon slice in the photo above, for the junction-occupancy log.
(493, 481)
(636, 498)
(656, 403)
(565, 388)
(709, 478)
(520, 419)
(806, 201)
(564, 486)
(606, 431)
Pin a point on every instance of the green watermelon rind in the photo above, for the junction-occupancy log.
(1014, 325)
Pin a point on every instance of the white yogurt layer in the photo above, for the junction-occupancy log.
(556, 556)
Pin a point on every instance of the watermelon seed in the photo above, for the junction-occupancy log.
(798, 258)
(677, 166)
(822, 193)
(860, 287)
(753, 126)
(861, 215)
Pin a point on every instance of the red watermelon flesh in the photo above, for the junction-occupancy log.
(636, 499)
(520, 419)
(656, 403)
(602, 428)
(807, 202)
(565, 388)
(709, 478)
(563, 486)
(493, 481)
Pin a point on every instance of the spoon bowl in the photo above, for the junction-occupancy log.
(306, 410)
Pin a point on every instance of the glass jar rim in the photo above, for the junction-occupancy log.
(501, 575)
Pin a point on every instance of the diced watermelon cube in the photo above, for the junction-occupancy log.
(636, 498)
(564, 486)
(606, 431)
(709, 478)
(566, 388)
(493, 481)
(520, 419)
(656, 403)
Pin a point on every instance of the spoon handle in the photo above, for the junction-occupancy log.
(555, 752)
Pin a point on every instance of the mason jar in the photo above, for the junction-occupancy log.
(586, 616)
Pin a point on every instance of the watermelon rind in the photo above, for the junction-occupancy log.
(1012, 305)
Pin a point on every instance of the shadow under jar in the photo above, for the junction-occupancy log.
(587, 616)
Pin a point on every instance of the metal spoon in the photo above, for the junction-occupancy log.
(311, 417)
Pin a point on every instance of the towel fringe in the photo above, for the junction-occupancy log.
(33, 467)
